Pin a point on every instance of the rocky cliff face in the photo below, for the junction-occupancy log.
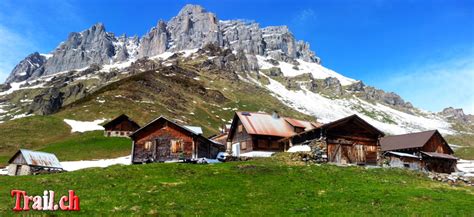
(192, 28)
(91, 46)
(457, 115)
(31, 66)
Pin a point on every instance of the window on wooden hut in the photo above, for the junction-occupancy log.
(147, 145)
(275, 145)
(239, 128)
(299, 129)
(243, 145)
(176, 146)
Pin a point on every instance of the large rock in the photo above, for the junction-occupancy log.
(239, 35)
(456, 114)
(193, 27)
(47, 102)
(155, 42)
(80, 50)
(32, 64)
(334, 84)
(279, 40)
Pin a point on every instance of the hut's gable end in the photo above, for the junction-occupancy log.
(240, 135)
(156, 143)
(352, 127)
(123, 125)
(437, 144)
(19, 159)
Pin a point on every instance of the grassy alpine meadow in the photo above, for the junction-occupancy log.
(89, 146)
(80, 146)
(261, 187)
(30, 133)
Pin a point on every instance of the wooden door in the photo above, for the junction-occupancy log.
(359, 152)
(336, 154)
(162, 149)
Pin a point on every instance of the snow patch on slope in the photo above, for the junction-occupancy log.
(327, 110)
(77, 165)
(316, 70)
(84, 126)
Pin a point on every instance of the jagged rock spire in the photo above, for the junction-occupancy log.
(193, 27)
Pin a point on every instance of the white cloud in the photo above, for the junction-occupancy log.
(30, 26)
(13, 48)
(436, 85)
(305, 15)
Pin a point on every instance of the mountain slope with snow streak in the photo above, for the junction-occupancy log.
(327, 109)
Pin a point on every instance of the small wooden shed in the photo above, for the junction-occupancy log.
(350, 140)
(403, 160)
(164, 140)
(27, 162)
(429, 146)
(121, 126)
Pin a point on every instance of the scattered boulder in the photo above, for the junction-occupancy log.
(275, 71)
(334, 84)
(47, 102)
(356, 87)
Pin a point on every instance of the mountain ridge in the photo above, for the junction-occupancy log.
(192, 28)
(197, 42)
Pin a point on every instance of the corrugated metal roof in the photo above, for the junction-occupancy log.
(439, 155)
(302, 124)
(405, 141)
(37, 158)
(401, 154)
(195, 129)
(265, 124)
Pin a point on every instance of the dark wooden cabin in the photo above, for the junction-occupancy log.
(431, 149)
(121, 126)
(257, 131)
(349, 140)
(164, 140)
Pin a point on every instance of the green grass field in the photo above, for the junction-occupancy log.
(30, 133)
(89, 145)
(80, 146)
(254, 188)
(465, 140)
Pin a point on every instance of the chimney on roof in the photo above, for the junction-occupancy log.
(275, 115)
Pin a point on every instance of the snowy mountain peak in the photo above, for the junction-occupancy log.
(192, 28)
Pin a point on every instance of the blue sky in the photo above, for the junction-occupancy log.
(422, 50)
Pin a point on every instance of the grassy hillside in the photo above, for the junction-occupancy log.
(31, 132)
(186, 93)
(254, 188)
(89, 145)
(58, 140)
(465, 140)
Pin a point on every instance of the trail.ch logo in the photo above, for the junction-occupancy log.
(45, 202)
